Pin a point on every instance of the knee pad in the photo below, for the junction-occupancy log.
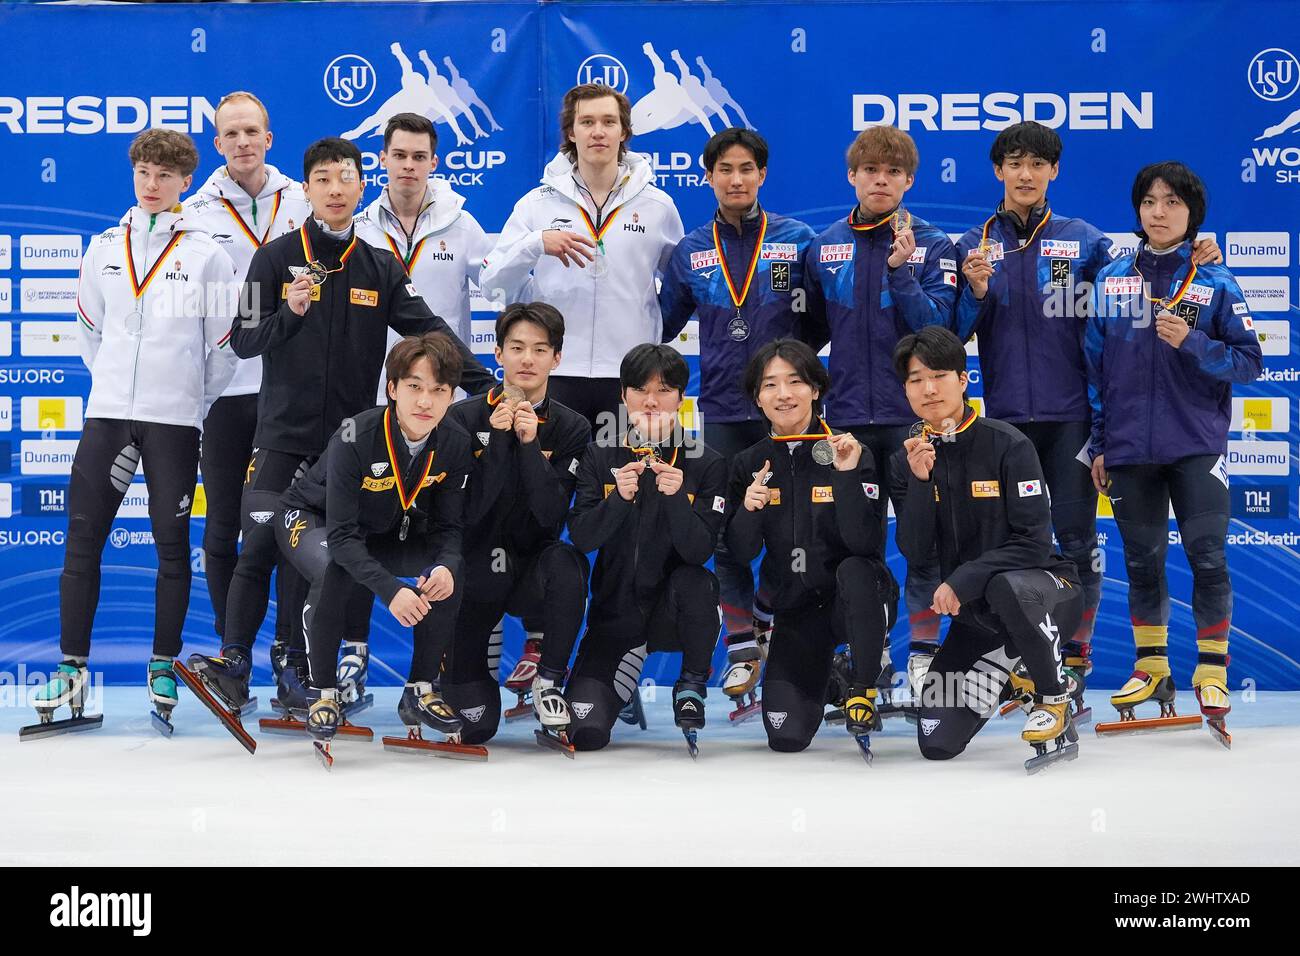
(594, 707)
(479, 705)
(789, 717)
(933, 743)
(563, 558)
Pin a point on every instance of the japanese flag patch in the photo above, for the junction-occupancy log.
(1029, 489)
(410, 289)
(950, 278)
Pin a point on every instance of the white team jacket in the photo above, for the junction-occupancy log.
(280, 207)
(179, 362)
(604, 316)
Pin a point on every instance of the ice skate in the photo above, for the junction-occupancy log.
(552, 709)
(918, 665)
(1050, 723)
(633, 712)
(67, 685)
(1020, 688)
(688, 711)
(225, 676)
(521, 679)
(837, 688)
(861, 717)
(422, 704)
(740, 683)
(163, 695)
(229, 718)
(1215, 703)
(1138, 689)
(351, 677)
(323, 718)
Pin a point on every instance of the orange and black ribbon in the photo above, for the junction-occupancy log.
(984, 233)
(494, 402)
(138, 286)
(1164, 303)
(824, 434)
(650, 451)
(343, 259)
(252, 236)
(930, 434)
(868, 226)
(406, 500)
(738, 298)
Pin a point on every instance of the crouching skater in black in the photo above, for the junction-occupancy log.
(382, 511)
(652, 505)
(975, 486)
(527, 448)
(810, 495)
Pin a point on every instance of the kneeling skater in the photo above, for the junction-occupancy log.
(810, 495)
(975, 486)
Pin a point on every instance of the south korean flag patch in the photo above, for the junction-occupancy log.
(410, 290)
(871, 491)
(719, 504)
(1030, 489)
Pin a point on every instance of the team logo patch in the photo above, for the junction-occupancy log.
(780, 277)
(474, 714)
(1028, 489)
(949, 264)
(410, 288)
(719, 504)
(290, 517)
(1188, 313)
(704, 260)
(1060, 273)
(608, 489)
(822, 494)
(261, 517)
(917, 257)
(786, 251)
(573, 467)
(378, 468)
(315, 292)
(1240, 308)
(836, 252)
(1123, 285)
(547, 453)
(1059, 249)
(1199, 294)
(295, 271)
(928, 726)
(378, 484)
(776, 718)
(776, 496)
(483, 437)
(367, 297)
(985, 489)
(437, 479)
(582, 710)
(871, 491)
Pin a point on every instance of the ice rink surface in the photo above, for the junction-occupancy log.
(125, 795)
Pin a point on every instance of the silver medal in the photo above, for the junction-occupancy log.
(135, 321)
(406, 526)
(822, 452)
(599, 266)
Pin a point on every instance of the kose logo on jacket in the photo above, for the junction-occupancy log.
(1259, 458)
(1261, 501)
(955, 112)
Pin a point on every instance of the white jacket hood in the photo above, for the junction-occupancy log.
(447, 206)
(635, 173)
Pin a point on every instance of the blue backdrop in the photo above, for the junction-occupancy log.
(1209, 83)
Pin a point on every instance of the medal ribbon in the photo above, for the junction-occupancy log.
(1178, 296)
(825, 433)
(739, 299)
(494, 402)
(252, 236)
(343, 259)
(868, 226)
(599, 234)
(397, 472)
(644, 451)
(139, 287)
(984, 233)
(408, 263)
(928, 433)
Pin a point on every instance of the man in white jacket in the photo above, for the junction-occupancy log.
(590, 240)
(244, 204)
(155, 302)
(424, 223)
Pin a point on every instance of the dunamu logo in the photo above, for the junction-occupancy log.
(103, 909)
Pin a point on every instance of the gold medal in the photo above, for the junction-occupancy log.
(317, 272)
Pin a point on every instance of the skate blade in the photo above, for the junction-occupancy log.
(68, 725)
(886, 711)
(323, 754)
(517, 713)
(228, 719)
(161, 724)
(1011, 706)
(289, 727)
(364, 702)
(745, 712)
(864, 747)
(435, 748)
(633, 714)
(692, 742)
(1082, 717)
(1220, 732)
(1148, 726)
(249, 709)
(553, 742)
(1041, 762)
(834, 717)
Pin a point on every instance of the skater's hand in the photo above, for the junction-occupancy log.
(1206, 251)
(299, 297)
(847, 451)
(758, 495)
(438, 586)
(568, 247)
(408, 607)
(904, 245)
(525, 422)
(667, 478)
(628, 478)
(503, 416)
(1171, 329)
(920, 456)
(945, 600)
(978, 270)
(1100, 480)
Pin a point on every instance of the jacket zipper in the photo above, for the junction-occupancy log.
(135, 364)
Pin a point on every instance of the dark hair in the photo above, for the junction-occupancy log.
(436, 347)
(331, 149)
(645, 361)
(936, 347)
(1027, 139)
(166, 148)
(798, 354)
(539, 313)
(1184, 184)
(569, 111)
(719, 143)
(411, 123)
